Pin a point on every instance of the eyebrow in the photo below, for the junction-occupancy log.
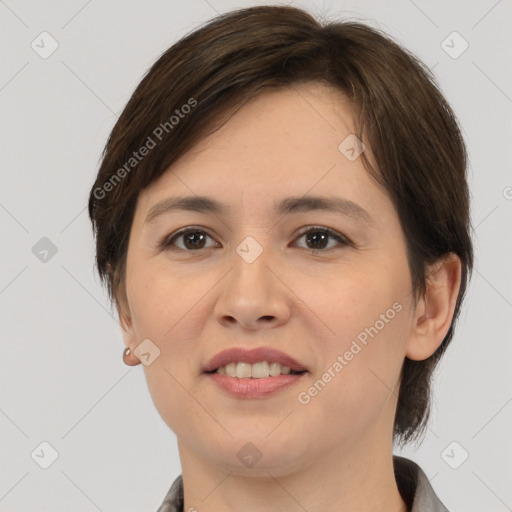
(300, 204)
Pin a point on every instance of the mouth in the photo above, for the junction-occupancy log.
(259, 370)
(292, 372)
(256, 373)
(247, 386)
(256, 363)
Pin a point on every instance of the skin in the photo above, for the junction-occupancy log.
(308, 303)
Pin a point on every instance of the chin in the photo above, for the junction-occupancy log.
(260, 454)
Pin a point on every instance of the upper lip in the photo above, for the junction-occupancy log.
(252, 356)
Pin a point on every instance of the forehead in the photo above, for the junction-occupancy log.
(304, 113)
(275, 136)
(279, 144)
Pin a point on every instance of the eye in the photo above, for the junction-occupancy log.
(193, 239)
(318, 237)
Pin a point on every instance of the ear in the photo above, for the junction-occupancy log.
(124, 313)
(117, 278)
(434, 312)
(128, 332)
(125, 320)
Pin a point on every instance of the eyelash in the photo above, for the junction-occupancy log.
(167, 243)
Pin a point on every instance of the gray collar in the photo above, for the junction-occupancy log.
(412, 483)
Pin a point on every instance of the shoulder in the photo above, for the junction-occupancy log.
(173, 501)
(415, 487)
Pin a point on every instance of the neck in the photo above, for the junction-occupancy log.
(359, 478)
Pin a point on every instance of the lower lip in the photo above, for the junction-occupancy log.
(254, 388)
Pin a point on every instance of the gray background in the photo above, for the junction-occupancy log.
(62, 377)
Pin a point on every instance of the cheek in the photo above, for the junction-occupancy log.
(367, 314)
(356, 387)
(160, 300)
(355, 299)
(165, 309)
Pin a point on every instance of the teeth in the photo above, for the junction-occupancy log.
(260, 370)
(230, 370)
(255, 371)
(243, 370)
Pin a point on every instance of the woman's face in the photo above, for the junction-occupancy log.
(253, 277)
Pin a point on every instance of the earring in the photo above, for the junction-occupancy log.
(126, 357)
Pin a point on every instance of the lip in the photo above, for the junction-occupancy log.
(254, 388)
(253, 356)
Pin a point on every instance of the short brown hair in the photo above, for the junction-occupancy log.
(398, 110)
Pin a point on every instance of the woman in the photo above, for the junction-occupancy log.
(282, 220)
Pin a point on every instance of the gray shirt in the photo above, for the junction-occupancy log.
(412, 483)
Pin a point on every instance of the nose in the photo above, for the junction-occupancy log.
(254, 296)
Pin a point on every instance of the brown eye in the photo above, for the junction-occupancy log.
(317, 238)
(194, 239)
(191, 240)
